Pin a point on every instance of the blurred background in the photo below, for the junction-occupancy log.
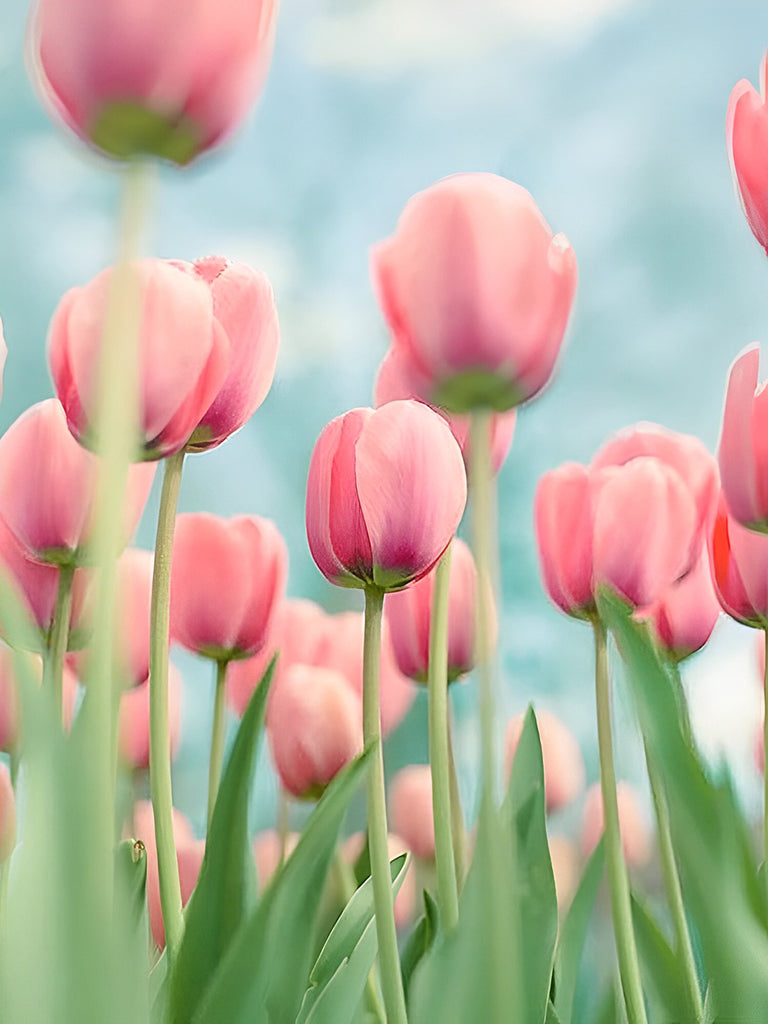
(611, 112)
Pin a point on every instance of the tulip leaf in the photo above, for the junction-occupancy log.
(573, 934)
(709, 834)
(345, 961)
(552, 1015)
(265, 971)
(420, 940)
(663, 979)
(227, 875)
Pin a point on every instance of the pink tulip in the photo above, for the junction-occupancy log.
(564, 773)
(681, 452)
(747, 137)
(243, 304)
(266, 853)
(405, 901)
(685, 615)
(133, 731)
(227, 577)
(410, 808)
(635, 835)
(400, 378)
(385, 493)
(7, 815)
(10, 711)
(314, 723)
(183, 354)
(739, 559)
(48, 486)
(477, 289)
(565, 867)
(409, 614)
(106, 69)
(743, 453)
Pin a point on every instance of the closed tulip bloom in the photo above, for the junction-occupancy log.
(747, 138)
(243, 304)
(743, 452)
(314, 724)
(183, 354)
(400, 378)
(48, 487)
(410, 808)
(107, 71)
(409, 614)
(133, 728)
(564, 773)
(405, 901)
(7, 815)
(685, 615)
(476, 288)
(739, 559)
(635, 834)
(10, 710)
(385, 493)
(227, 577)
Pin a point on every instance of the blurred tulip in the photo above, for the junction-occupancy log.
(10, 710)
(105, 68)
(267, 851)
(385, 493)
(400, 378)
(743, 452)
(410, 808)
(133, 731)
(48, 487)
(747, 138)
(183, 354)
(409, 614)
(7, 815)
(759, 749)
(739, 560)
(635, 834)
(314, 724)
(405, 901)
(477, 290)
(227, 577)
(685, 615)
(564, 773)
(565, 868)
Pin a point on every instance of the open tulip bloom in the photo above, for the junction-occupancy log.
(118, 908)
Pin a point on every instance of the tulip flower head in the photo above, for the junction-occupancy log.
(107, 70)
(635, 834)
(564, 772)
(739, 559)
(685, 615)
(743, 452)
(267, 849)
(478, 291)
(133, 729)
(747, 138)
(410, 806)
(385, 493)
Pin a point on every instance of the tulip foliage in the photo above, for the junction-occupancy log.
(112, 906)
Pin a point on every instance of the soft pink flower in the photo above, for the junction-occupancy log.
(635, 834)
(399, 377)
(405, 901)
(95, 58)
(564, 773)
(227, 578)
(409, 614)
(410, 809)
(48, 487)
(739, 560)
(266, 853)
(565, 867)
(743, 452)
(183, 354)
(746, 132)
(7, 815)
(477, 289)
(685, 615)
(385, 493)
(314, 726)
(10, 718)
(133, 731)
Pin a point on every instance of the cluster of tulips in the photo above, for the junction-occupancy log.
(111, 908)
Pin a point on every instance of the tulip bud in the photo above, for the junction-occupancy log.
(564, 773)
(742, 454)
(635, 836)
(133, 730)
(739, 559)
(410, 808)
(747, 138)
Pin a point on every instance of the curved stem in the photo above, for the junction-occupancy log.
(217, 737)
(381, 879)
(674, 894)
(437, 682)
(53, 670)
(458, 829)
(159, 739)
(618, 877)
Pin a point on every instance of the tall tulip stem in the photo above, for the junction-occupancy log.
(618, 877)
(458, 828)
(53, 671)
(389, 959)
(438, 744)
(159, 739)
(217, 737)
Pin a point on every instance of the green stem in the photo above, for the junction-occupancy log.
(674, 894)
(618, 877)
(458, 829)
(53, 670)
(437, 683)
(381, 879)
(347, 886)
(159, 740)
(217, 737)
